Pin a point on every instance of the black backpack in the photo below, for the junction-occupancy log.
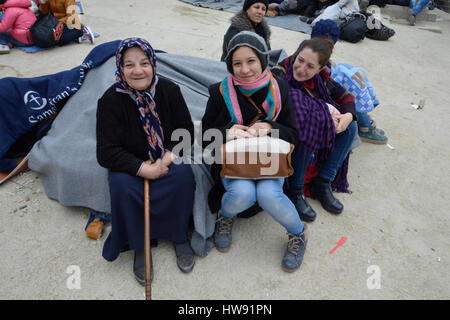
(354, 28)
(46, 31)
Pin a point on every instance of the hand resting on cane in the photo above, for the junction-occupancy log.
(157, 169)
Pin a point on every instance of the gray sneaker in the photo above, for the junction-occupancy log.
(296, 247)
(222, 234)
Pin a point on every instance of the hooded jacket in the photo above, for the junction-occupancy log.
(61, 9)
(241, 22)
(17, 19)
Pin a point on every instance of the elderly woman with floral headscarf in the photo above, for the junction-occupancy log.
(135, 120)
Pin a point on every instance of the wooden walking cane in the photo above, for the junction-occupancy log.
(147, 244)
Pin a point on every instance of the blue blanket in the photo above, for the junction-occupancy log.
(25, 102)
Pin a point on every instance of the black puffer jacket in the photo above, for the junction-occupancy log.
(241, 22)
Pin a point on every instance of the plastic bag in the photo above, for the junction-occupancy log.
(354, 80)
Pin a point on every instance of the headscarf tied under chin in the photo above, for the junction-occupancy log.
(144, 98)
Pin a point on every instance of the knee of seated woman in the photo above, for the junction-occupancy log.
(352, 128)
(269, 189)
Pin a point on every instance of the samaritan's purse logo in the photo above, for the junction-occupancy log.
(35, 100)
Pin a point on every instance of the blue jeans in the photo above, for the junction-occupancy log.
(241, 194)
(6, 37)
(363, 119)
(417, 7)
(341, 148)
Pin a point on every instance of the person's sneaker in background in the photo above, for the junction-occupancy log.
(87, 32)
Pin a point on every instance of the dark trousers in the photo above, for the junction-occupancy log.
(171, 205)
(69, 35)
(301, 158)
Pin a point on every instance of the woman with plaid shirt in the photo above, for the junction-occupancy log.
(325, 137)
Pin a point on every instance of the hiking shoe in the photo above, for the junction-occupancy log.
(139, 266)
(372, 135)
(185, 256)
(4, 49)
(222, 234)
(305, 19)
(373, 125)
(295, 251)
(87, 32)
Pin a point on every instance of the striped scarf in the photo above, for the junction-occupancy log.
(271, 105)
(144, 99)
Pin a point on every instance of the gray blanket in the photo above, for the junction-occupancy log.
(66, 157)
(290, 22)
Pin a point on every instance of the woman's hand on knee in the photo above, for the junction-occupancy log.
(343, 121)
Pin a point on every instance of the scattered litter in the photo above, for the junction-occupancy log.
(432, 249)
(439, 259)
(340, 243)
(390, 147)
(23, 207)
(419, 106)
(375, 249)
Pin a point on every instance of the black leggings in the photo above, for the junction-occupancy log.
(70, 35)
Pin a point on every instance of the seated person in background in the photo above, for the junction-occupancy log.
(325, 121)
(284, 8)
(135, 120)
(15, 25)
(66, 12)
(251, 90)
(367, 129)
(250, 18)
(338, 11)
(312, 8)
(415, 6)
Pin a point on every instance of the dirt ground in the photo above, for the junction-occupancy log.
(396, 220)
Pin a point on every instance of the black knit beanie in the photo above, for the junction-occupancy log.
(249, 3)
(249, 39)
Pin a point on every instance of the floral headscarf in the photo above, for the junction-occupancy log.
(144, 98)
